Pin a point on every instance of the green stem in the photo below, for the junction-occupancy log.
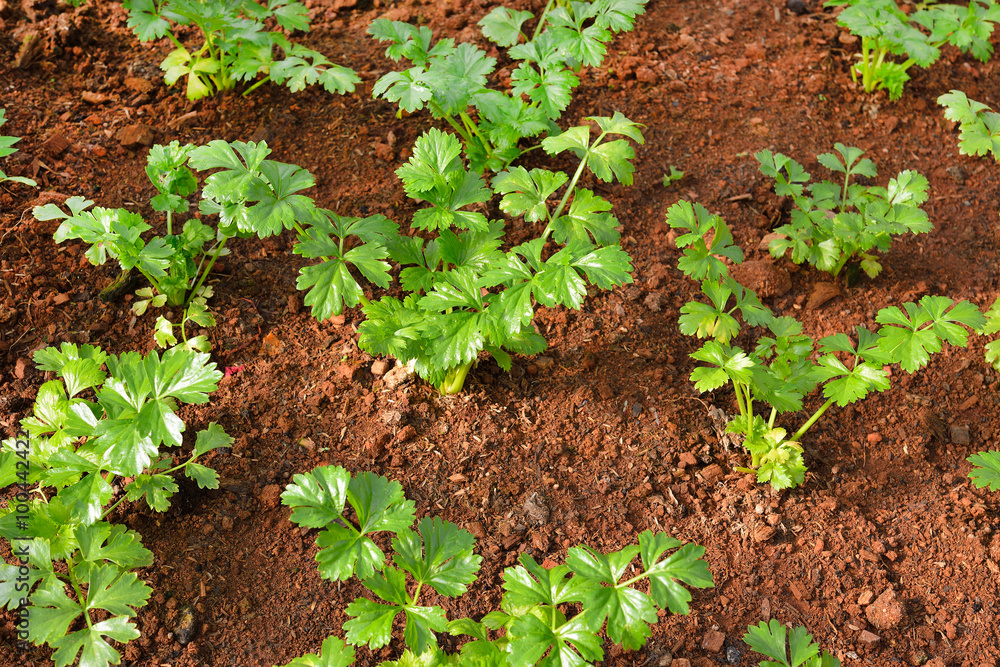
(256, 85)
(416, 594)
(462, 132)
(170, 219)
(207, 270)
(113, 507)
(812, 420)
(739, 401)
(840, 265)
(748, 398)
(770, 420)
(176, 41)
(454, 379)
(569, 190)
(80, 597)
(541, 20)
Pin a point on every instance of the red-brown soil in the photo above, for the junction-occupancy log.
(606, 428)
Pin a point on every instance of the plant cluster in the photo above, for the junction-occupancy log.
(886, 30)
(250, 194)
(6, 149)
(237, 45)
(780, 370)
(833, 223)
(466, 295)
(452, 81)
(74, 562)
(547, 616)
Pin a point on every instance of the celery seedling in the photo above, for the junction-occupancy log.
(769, 639)
(780, 371)
(979, 126)
(237, 45)
(533, 624)
(837, 222)
(885, 31)
(451, 81)
(79, 564)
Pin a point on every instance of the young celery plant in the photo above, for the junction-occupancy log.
(834, 223)
(237, 45)
(534, 624)
(780, 371)
(250, 195)
(886, 30)
(465, 295)
(451, 81)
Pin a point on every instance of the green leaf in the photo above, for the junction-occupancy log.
(979, 126)
(103, 541)
(52, 612)
(769, 639)
(317, 498)
(572, 643)
(526, 193)
(440, 556)
(549, 88)
(986, 472)
(908, 339)
(205, 477)
(587, 217)
(112, 589)
(380, 506)
(145, 20)
(421, 623)
(732, 365)
(502, 26)
(685, 565)
(617, 15)
(574, 138)
(89, 643)
(333, 653)
(213, 437)
(531, 584)
(700, 259)
(155, 488)
(611, 159)
(371, 623)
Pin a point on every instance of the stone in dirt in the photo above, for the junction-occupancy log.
(271, 345)
(868, 638)
(712, 473)
(135, 136)
(270, 496)
(56, 144)
(713, 641)
(398, 376)
(960, 435)
(19, 367)
(94, 98)
(379, 367)
(886, 612)
(536, 509)
(821, 293)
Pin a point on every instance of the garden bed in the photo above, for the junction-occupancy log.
(603, 436)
